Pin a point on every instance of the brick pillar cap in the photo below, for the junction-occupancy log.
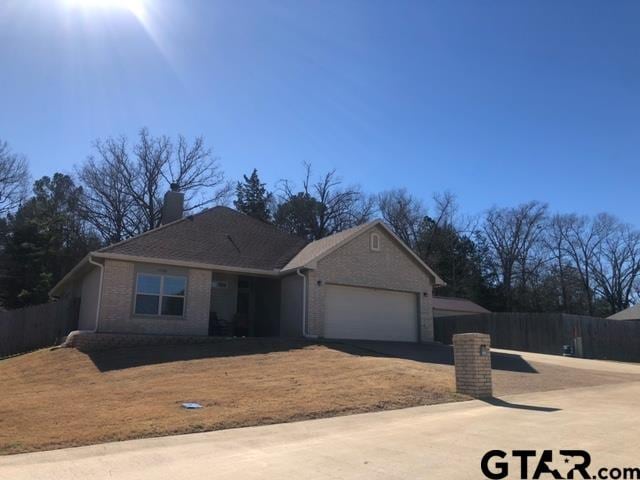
(463, 336)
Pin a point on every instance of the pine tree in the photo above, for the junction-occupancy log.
(42, 241)
(253, 198)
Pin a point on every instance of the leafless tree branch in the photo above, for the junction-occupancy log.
(14, 178)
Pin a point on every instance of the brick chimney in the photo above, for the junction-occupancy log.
(173, 206)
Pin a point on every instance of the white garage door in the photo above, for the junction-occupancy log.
(370, 314)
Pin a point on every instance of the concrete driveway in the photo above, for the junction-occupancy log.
(442, 441)
(513, 371)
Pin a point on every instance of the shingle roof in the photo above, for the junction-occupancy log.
(631, 313)
(217, 236)
(457, 305)
(317, 248)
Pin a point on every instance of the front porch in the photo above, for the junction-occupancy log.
(244, 306)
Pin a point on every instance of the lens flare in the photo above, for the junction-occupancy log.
(155, 20)
(136, 7)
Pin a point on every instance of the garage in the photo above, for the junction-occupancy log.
(370, 314)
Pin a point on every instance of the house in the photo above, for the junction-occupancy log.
(631, 313)
(220, 272)
(452, 306)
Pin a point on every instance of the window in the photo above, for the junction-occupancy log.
(375, 242)
(160, 295)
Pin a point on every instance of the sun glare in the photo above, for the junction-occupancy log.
(147, 13)
(137, 7)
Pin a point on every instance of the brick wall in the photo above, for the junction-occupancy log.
(473, 370)
(356, 264)
(117, 296)
(116, 313)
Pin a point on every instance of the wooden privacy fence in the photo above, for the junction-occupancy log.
(547, 333)
(35, 327)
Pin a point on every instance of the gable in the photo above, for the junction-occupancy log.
(318, 248)
(392, 266)
(315, 251)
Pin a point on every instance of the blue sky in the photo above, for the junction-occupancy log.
(500, 102)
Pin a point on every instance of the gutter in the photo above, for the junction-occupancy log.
(54, 291)
(187, 264)
(101, 267)
(304, 304)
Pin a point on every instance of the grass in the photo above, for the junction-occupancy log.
(64, 398)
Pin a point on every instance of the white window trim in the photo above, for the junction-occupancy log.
(160, 296)
(374, 236)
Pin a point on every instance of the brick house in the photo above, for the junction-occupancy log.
(220, 272)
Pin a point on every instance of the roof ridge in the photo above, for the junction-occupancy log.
(346, 230)
(217, 236)
(160, 227)
(262, 222)
(202, 212)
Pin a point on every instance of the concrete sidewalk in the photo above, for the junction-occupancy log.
(442, 441)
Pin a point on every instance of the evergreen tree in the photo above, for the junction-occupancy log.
(253, 198)
(42, 241)
(298, 215)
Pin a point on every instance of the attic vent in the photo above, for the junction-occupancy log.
(374, 242)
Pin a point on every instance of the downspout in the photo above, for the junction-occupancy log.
(101, 267)
(304, 304)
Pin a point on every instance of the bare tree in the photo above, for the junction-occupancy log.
(616, 267)
(129, 201)
(446, 208)
(443, 220)
(198, 174)
(403, 213)
(321, 208)
(143, 177)
(555, 242)
(339, 208)
(106, 204)
(513, 236)
(14, 178)
(441, 237)
(583, 237)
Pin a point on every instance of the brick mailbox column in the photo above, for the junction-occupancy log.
(472, 356)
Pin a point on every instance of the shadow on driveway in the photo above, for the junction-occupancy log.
(427, 353)
(497, 402)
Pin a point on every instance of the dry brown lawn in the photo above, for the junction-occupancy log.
(62, 398)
